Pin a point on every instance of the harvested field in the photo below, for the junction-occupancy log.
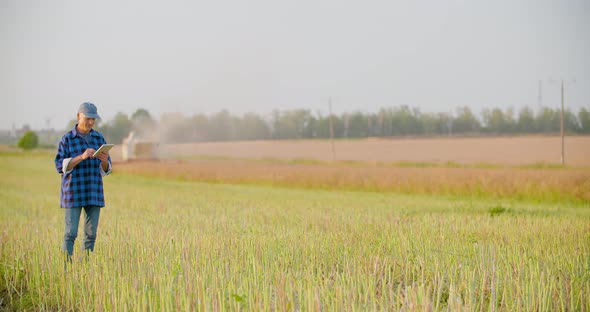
(514, 151)
(535, 184)
(515, 167)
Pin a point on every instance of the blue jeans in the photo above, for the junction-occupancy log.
(72, 219)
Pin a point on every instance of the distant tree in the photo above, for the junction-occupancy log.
(497, 121)
(526, 121)
(405, 120)
(117, 129)
(28, 141)
(385, 121)
(436, 123)
(429, 123)
(323, 126)
(371, 124)
(252, 127)
(465, 121)
(143, 124)
(141, 114)
(358, 125)
(176, 128)
(221, 126)
(584, 118)
(284, 126)
(302, 124)
(548, 120)
(510, 120)
(200, 125)
(304, 121)
(292, 124)
(446, 123)
(571, 122)
(310, 130)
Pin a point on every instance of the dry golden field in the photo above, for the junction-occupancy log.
(544, 184)
(517, 151)
(519, 167)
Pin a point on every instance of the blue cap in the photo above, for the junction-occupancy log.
(89, 110)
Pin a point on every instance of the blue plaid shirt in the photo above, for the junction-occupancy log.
(81, 186)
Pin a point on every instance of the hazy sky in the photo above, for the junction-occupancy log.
(259, 55)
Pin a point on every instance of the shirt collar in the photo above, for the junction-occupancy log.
(75, 132)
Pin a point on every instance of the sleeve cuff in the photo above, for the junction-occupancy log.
(103, 173)
(64, 165)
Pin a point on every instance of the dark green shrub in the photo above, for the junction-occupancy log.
(29, 141)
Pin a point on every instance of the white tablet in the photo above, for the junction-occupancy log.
(103, 148)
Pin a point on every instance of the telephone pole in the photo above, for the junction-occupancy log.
(331, 129)
(562, 116)
(561, 128)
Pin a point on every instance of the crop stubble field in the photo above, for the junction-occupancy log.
(519, 167)
(525, 150)
(170, 240)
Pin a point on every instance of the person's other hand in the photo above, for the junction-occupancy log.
(88, 153)
(103, 156)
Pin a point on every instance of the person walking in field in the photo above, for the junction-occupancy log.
(81, 178)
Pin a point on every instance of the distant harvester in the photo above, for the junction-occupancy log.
(135, 148)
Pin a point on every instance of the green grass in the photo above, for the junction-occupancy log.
(179, 245)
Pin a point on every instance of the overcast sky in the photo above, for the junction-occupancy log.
(260, 55)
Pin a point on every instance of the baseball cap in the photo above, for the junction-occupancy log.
(89, 110)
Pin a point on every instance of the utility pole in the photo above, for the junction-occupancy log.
(331, 129)
(561, 128)
(563, 83)
(562, 122)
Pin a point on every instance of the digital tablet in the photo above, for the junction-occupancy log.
(103, 148)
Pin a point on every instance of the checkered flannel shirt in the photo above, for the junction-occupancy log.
(81, 186)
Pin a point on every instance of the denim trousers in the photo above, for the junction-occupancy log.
(72, 219)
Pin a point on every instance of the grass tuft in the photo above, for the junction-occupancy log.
(497, 210)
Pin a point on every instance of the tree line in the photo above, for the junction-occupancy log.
(305, 124)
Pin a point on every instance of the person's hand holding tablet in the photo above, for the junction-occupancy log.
(103, 148)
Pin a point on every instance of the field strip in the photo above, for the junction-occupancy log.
(532, 183)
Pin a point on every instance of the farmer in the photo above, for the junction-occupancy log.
(81, 178)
